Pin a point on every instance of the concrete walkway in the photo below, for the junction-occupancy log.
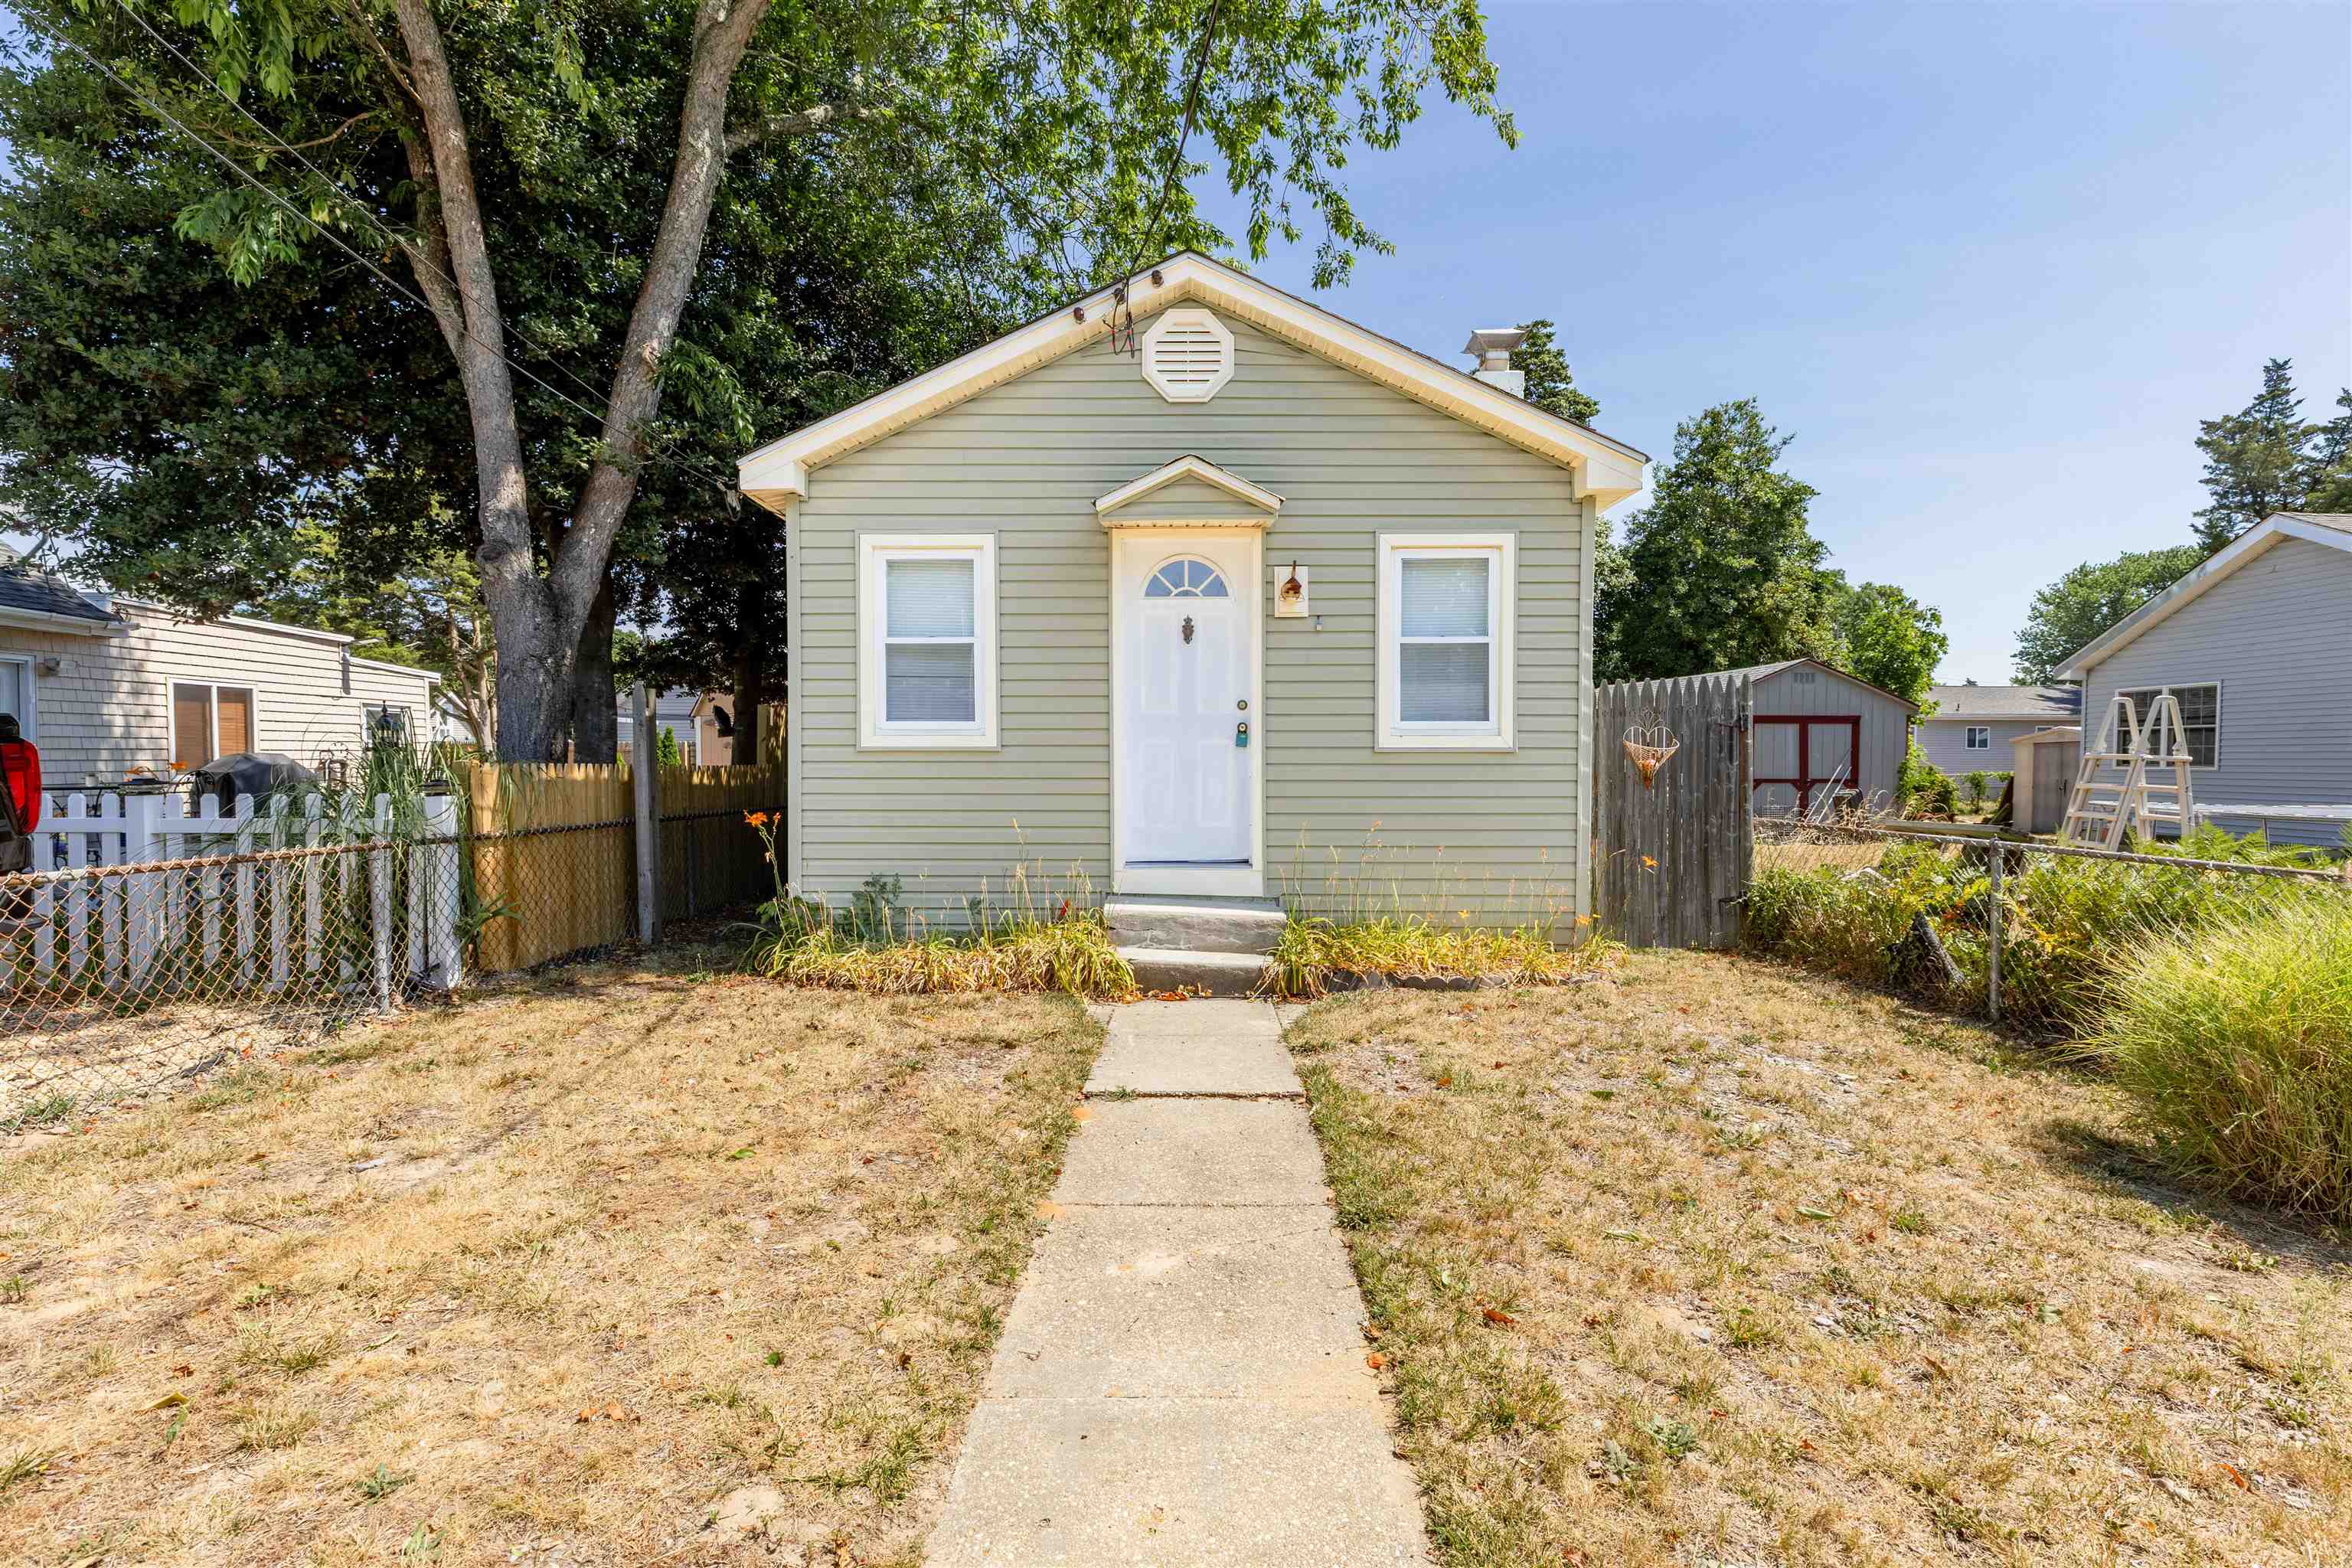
(1181, 1380)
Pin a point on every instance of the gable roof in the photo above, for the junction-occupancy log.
(2332, 529)
(1191, 475)
(1982, 702)
(1607, 471)
(1760, 672)
(31, 597)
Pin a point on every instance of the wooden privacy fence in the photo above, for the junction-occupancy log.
(554, 854)
(1673, 854)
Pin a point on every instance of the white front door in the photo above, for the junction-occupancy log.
(1185, 691)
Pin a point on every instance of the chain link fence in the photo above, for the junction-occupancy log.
(155, 943)
(2030, 933)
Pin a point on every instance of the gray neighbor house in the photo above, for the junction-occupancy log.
(2256, 645)
(1974, 728)
(1220, 599)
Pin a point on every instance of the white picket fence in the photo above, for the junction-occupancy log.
(114, 897)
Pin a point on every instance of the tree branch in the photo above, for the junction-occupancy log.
(803, 122)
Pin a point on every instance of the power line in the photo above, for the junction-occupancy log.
(385, 279)
(1175, 162)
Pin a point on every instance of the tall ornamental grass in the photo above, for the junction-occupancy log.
(2236, 1043)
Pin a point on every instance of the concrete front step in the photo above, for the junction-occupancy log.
(1209, 973)
(1195, 925)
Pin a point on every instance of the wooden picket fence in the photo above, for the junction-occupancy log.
(554, 855)
(1673, 854)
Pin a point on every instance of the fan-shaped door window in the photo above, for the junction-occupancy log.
(1185, 579)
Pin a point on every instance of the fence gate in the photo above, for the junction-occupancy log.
(1672, 854)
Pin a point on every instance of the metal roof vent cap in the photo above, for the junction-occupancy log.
(1493, 345)
(1188, 355)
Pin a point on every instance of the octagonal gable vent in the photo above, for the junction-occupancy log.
(1188, 355)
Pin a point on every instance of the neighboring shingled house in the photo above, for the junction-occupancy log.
(108, 686)
(1972, 726)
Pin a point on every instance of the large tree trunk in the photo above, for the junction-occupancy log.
(539, 621)
(595, 709)
(750, 669)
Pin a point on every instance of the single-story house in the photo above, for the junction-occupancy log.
(108, 686)
(1972, 727)
(1214, 594)
(2256, 646)
(1815, 731)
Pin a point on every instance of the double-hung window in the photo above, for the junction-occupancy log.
(927, 629)
(1446, 605)
(2201, 720)
(1980, 738)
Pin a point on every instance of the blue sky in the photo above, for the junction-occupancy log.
(1988, 264)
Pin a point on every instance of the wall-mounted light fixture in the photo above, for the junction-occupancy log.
(1290, 598)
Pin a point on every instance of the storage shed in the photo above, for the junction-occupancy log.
(1817, 731)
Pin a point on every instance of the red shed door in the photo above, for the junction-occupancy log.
(1801, 759)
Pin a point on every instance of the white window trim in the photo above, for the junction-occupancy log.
(212, 689)
(2139, 711)
(29, 721)
(1502, 550)
(1969, 738)
(874, 732)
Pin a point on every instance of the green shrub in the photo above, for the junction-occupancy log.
(2066, 922)
(1975, 780)
(2236, 1042)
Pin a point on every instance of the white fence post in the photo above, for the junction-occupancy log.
(245, 920)
(45, 856)
(380, 878)
(144, 892)
(79, 893)
(113, 895)
(434, 867)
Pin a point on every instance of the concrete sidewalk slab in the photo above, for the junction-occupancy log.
(1206, 1153)
(1128, 1303)
(1237, 1053)
(1171, 1483)
(1181, 1380)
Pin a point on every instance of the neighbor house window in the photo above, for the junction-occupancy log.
(208, 722)
(2201, 717)
(1445, 603)
(1980, 738)
(927, 620)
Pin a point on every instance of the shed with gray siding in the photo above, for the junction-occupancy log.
(2256, 644)
(1819, 732)
(1042, 615)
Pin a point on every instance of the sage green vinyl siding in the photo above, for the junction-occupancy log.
(1495, 834)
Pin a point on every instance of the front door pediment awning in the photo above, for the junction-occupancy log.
(1191, 492)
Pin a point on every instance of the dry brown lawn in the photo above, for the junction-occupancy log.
(1716, 1263)
(552, 1277)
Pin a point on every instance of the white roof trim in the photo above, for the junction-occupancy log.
(1606, 471)
(2254, 543)
(385, 665)
(182, 617)
(47, 621)
(1188, 467)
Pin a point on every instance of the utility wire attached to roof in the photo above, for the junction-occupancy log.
(1122, 336)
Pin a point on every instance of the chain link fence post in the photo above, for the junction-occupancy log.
(1992, 934)
(644, 769)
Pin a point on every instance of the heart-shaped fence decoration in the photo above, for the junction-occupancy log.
(1648, 746)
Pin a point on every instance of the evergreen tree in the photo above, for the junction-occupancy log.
(1724, 571)
(1548, 384)
(2264, 460)
(666, 751)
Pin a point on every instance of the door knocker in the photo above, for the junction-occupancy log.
(1188, 628)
